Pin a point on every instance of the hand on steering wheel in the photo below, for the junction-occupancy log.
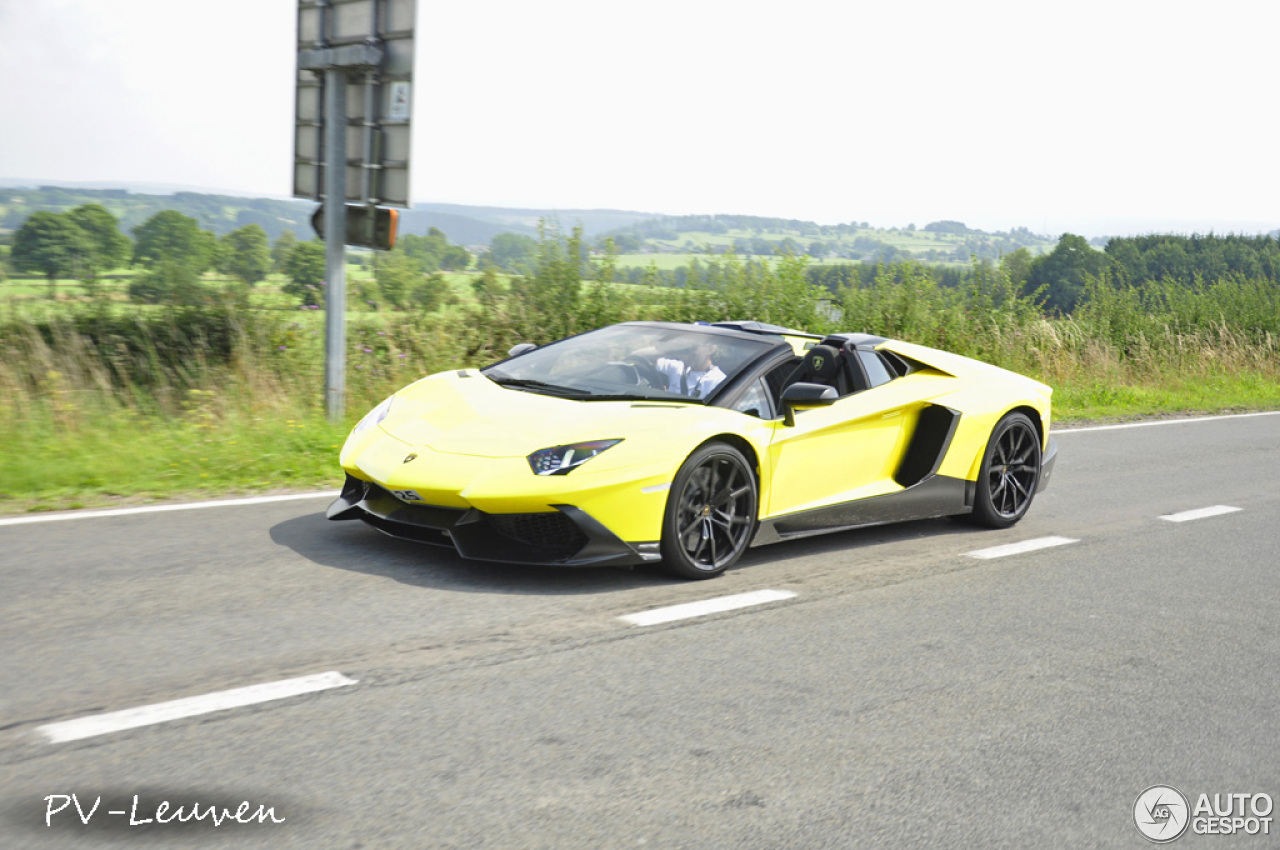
(648, 372)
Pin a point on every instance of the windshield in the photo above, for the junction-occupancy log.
(632, 362)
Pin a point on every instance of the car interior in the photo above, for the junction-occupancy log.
(839, 363)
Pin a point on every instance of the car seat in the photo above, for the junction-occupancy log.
(824, 365)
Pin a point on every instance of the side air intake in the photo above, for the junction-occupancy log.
(934, 429)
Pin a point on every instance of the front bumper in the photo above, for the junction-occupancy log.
(566, 536)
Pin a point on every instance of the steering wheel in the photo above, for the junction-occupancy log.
(648, 372)
(618, 372)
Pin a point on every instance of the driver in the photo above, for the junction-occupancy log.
(695, 375)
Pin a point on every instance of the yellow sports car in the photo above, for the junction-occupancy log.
(687, 443)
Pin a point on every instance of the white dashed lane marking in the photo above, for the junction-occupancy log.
(1067, 431)
(151, 509)
(162, 712)
(1019, 548)
(705, 606)
(1200, 513)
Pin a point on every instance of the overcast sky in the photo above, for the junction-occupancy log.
(1092, 116)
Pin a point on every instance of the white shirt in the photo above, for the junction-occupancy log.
(697, 383)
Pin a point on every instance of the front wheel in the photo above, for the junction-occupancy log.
(711, 513)
(1010, 473)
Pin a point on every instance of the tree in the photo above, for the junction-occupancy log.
(169, 282)
(454, 258)
(110, 249)
(513, 252)
(433, 252)
(945, 226)
(1064, 271)
(171, 237)
(1017, 265)
(488, 289)
(50, 244)
(396, 275)
(1169, 260)
(1128, 259)
(556, 285)
(627, 243)
(429, 292)
(281, 250)
(244, 252)
(306, 268)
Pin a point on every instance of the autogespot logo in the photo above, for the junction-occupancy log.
(1161, 813)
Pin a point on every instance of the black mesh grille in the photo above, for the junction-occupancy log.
(545, 531)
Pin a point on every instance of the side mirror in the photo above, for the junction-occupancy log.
(522, 348)
(805, 395)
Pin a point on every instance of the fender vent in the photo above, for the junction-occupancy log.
(934, 428)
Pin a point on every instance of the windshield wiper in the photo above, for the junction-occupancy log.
(536, 386)
(643, 396)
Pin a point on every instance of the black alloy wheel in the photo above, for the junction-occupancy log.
(1010, 473)
(711, 513)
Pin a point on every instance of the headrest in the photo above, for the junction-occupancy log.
(822, 361)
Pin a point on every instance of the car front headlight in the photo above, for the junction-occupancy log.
(373, 417)
(560, 460)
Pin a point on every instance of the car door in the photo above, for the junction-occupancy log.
(847, 451)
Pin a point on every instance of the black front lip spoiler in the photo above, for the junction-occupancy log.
(568, 537)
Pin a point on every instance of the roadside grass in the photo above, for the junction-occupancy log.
(128, 458)
(1091, 399)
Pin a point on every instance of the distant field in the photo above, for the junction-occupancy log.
(663, 262)
(847, 246)
(671, 262)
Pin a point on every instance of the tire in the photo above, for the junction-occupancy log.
(1009, 475)
(711, 513)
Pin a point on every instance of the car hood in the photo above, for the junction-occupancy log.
(465, 413)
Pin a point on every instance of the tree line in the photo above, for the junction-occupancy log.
(173, 253)
(1060, 280)
(219, 213)
(1062, 276)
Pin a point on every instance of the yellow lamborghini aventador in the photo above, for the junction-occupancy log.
(688, 443)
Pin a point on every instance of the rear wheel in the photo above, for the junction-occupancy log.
(1010, 473)
(711, 513)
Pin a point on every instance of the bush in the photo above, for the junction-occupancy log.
(170, 283)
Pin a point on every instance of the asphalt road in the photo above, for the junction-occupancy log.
(908, 694)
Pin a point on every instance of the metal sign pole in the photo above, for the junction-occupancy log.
(335, 234)
(370, 42)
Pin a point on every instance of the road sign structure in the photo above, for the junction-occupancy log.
(371, 43)
(368, 227)
(355, 58)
